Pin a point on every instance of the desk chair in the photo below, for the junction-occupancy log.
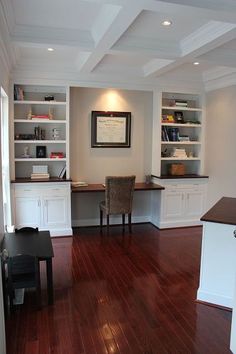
(27, 229)
(118, 199)
(23, 272)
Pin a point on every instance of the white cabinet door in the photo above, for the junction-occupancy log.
(46, 205)
(173, 204)
(55, 212)
(27, 211)
(194, 203)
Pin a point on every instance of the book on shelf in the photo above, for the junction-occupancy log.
(181, 103)
(39, 175)
(164, 134)
(170, 134)
(79, 184)
(62, 173)
(40, 169)
(184, 138)
(179, 153)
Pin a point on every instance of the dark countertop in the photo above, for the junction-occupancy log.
(42, 180)
(223, 212)
(100, 187)
(181, 176)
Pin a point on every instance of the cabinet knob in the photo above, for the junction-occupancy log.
(235, 233)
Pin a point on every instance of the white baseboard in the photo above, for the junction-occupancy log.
(61, 232)
(216, 299)
(171, 224)
(113, 221)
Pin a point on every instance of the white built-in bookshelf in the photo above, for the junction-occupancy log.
(35, 123)
(181, 132)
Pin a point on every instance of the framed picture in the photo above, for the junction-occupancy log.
(110, 129)
(41, 152)
(179, 117)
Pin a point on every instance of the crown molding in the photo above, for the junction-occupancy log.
(219, 78)
(211, 32)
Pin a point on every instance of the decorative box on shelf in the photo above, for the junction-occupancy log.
(177, 169)
(57, 155)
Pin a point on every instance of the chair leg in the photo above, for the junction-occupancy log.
(101, 219)
(129, 222)
(108, 224)
(123, 222)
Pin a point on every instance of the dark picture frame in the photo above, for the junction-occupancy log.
(110, 129)
(41, 152)
(179, 117)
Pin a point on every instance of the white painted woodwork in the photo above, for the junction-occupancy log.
(218, 264)
(34, 101)
(107, 43)
(44, 205)
(182, 203)
(233, 324)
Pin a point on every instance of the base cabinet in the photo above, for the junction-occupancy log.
(43, 205)
(182, 203)
(218, 264)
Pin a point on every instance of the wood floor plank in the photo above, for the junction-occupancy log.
(121, 295)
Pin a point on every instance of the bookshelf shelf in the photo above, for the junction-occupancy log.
(45, 103)
(180, 159)
(186, 125)
(180, 143)
(41, 121)
(40, 142)
(179, 108)
(35, 159)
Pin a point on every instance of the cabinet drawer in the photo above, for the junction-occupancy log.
(26, 192)
(184, 187)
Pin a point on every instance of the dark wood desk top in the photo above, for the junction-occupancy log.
(101, 188)
(42, 180)
(223, 212)
(37, 244)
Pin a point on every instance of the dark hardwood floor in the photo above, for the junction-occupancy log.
(115, 297)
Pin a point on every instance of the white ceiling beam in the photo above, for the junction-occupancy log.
(198, 43)
(122, 19)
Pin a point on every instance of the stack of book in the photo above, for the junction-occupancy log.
(40, 172)
(40, 175)
(179, 153)
(181, 103)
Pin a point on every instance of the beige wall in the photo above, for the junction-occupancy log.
(93, 164)
(221, 144)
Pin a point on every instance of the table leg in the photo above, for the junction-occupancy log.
(49, 281)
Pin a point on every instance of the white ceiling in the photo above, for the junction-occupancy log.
(120, 40)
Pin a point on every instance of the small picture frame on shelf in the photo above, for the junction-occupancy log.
(179, 117)
(41, 152)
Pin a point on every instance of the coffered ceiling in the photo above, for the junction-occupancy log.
(121, 40)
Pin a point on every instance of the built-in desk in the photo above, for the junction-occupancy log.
(85, 203)
(100, 187)
(218, 256)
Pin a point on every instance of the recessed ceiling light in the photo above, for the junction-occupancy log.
(166, 23)
(50, 49)
(196, 63)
